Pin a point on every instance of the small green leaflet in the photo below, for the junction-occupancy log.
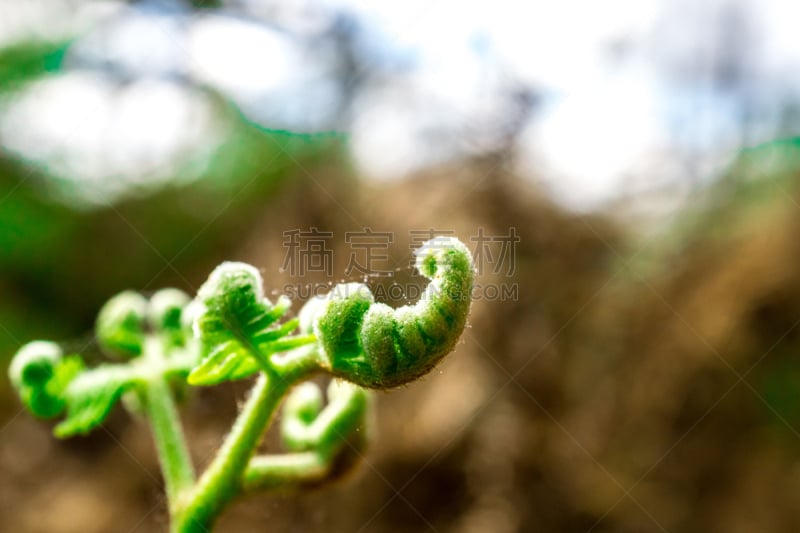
(237, 326)
(49, 383)
(91, 395)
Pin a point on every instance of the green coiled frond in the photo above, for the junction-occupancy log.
(232, 331)
(238, 326)
(372, 345)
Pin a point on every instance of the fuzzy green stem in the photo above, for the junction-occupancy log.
(339, 427)
(173, 453)
(293, 469)
(222, 481)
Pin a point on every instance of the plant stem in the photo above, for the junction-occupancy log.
(272, 471)
(221, 480)
(173, 453)
(334, 430)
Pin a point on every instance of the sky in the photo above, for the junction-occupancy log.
(628, 98)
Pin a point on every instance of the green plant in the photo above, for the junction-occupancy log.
(231, 331)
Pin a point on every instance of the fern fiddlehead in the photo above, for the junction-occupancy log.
(374, 346)
(231, 331)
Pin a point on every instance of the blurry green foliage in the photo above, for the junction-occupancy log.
(761, 179)
(780, 388)
(26, 61)
(59, 262)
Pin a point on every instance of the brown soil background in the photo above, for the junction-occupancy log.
(633, 386)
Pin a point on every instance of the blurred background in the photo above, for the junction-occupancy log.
(627, 174)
